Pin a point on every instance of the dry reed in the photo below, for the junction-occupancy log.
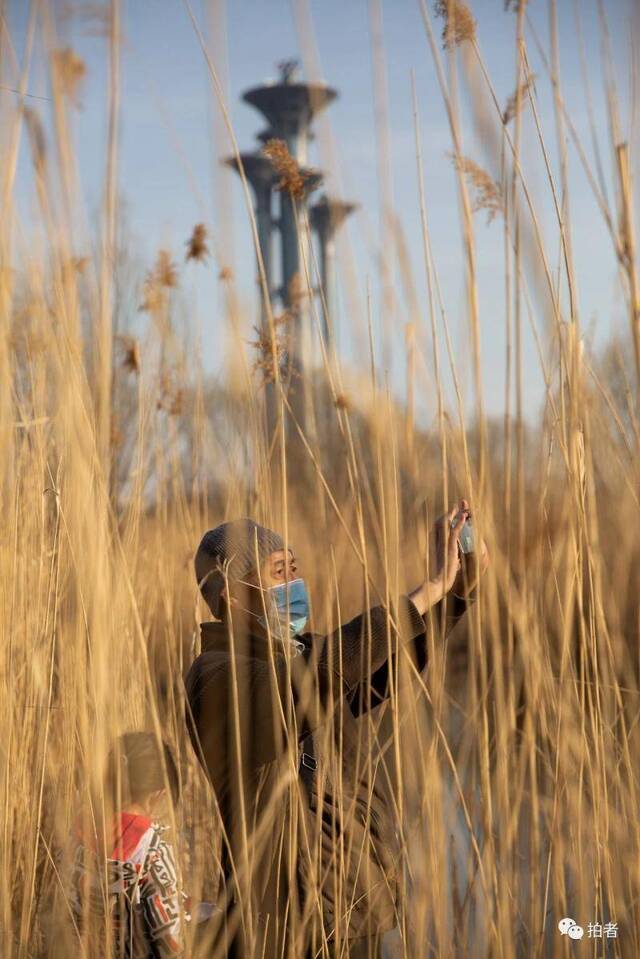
(511, 762)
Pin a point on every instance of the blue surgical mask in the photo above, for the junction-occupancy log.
(287, 606)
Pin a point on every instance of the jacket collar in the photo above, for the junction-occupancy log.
(217, 637)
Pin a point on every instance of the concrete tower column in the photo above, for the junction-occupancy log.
(260, 174)
(325, 217)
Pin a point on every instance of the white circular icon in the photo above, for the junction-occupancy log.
(569, 927)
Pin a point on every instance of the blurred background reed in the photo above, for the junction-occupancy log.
(517, 760)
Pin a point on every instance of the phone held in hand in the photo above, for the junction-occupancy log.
(466, 540)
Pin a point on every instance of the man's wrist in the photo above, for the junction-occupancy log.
(436, 590)
(427, 595)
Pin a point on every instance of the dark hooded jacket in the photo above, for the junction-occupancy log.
(317, 818)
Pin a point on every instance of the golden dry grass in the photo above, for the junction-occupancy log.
(516, 757)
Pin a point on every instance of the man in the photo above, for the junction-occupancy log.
(308, 847)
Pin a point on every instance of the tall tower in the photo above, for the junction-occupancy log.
(289, 107)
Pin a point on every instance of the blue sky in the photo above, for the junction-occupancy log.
(171, 178)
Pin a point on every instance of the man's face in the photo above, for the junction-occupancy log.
(279, 567)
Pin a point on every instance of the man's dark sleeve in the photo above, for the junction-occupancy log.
(335, 665)
(444, 616)
(360, 647)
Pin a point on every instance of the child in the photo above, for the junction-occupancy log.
(137, 884)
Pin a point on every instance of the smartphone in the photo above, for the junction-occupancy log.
(466, 541)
